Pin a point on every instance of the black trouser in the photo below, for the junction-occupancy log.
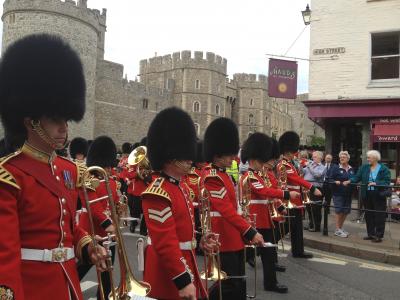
(83, 269)
(315, 211)
(296, 231)
(327, 189)
(268, 257)
(234, 288)
(375, 220)
(136, 212)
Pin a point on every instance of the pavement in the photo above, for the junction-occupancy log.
(386, 252)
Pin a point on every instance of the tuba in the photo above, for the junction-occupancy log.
(212, 263)
(129, 286)
(138, 158)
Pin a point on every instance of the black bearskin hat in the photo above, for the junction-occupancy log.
(199, 152)
(171, 135)
(289, 142)
(258, 146)
(126, 148)
(40, 75)
(102, 153)
(221, 138)
(275, 149)
(78, 145)
(143, 141)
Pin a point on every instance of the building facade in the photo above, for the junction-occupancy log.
(123, 109)
(354, 86)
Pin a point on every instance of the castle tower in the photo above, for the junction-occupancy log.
(197, 83)
(254, 108)
(83, 28)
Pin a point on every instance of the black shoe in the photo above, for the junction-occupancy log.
(303, 255)
(368, 238)
(132, 228)
(377, 240)
(250, 262)
(278, 288)
(280, 268)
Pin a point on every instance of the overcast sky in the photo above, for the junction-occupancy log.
(241, 31)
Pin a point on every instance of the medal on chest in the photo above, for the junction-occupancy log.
(68, 180)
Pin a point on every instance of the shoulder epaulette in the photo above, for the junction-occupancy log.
(251, 175)
(81, 168)
(155, 188)
(5, 176)
(213, 174)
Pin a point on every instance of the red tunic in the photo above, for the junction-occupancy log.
(169, 218)
(193, 181)
(261, 192)
(225, 219)
(38, 196)
(100, 210)
(294, 180)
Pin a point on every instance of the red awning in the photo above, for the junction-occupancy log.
(386, 133)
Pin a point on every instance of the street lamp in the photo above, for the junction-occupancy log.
(306, 15)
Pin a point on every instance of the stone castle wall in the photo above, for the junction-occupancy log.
(78, 25)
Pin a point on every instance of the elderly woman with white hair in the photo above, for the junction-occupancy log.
(341, 194)
(371, 176)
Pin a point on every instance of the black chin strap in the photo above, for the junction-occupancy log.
(45, 136)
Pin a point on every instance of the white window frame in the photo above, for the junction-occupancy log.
(382, 82)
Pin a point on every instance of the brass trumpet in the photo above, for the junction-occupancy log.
(212, 263)
(129, 286)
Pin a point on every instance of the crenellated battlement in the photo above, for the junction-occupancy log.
(184, 59)
(259, 81)
(69, 8)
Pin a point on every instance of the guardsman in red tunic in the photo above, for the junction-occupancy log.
(287, 172)
(123, 167)
(193, 181)
(257, 151)
(42, 87)
(102, 153)
(139, 180)
(221, 144)
(170, 262)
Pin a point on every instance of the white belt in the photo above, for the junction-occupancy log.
(53, 255)
(83, 209)
(293, 187)
(215, 214)
(259, 201)
(189, 245)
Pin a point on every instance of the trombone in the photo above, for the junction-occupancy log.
(212, 262)
(129, 286)
(244, 202)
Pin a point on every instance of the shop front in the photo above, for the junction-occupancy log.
(358, 126)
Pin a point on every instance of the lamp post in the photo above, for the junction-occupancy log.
(306, 15)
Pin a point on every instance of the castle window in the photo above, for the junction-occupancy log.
(197, 84)
(251, 119)
(217, 110)
(251, 102)
(145, 103)
(156, 106)
(266, 120)
(196, 106)
(197, 127)
(12, 18)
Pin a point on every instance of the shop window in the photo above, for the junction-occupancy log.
(196, 106)
(385, 59)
